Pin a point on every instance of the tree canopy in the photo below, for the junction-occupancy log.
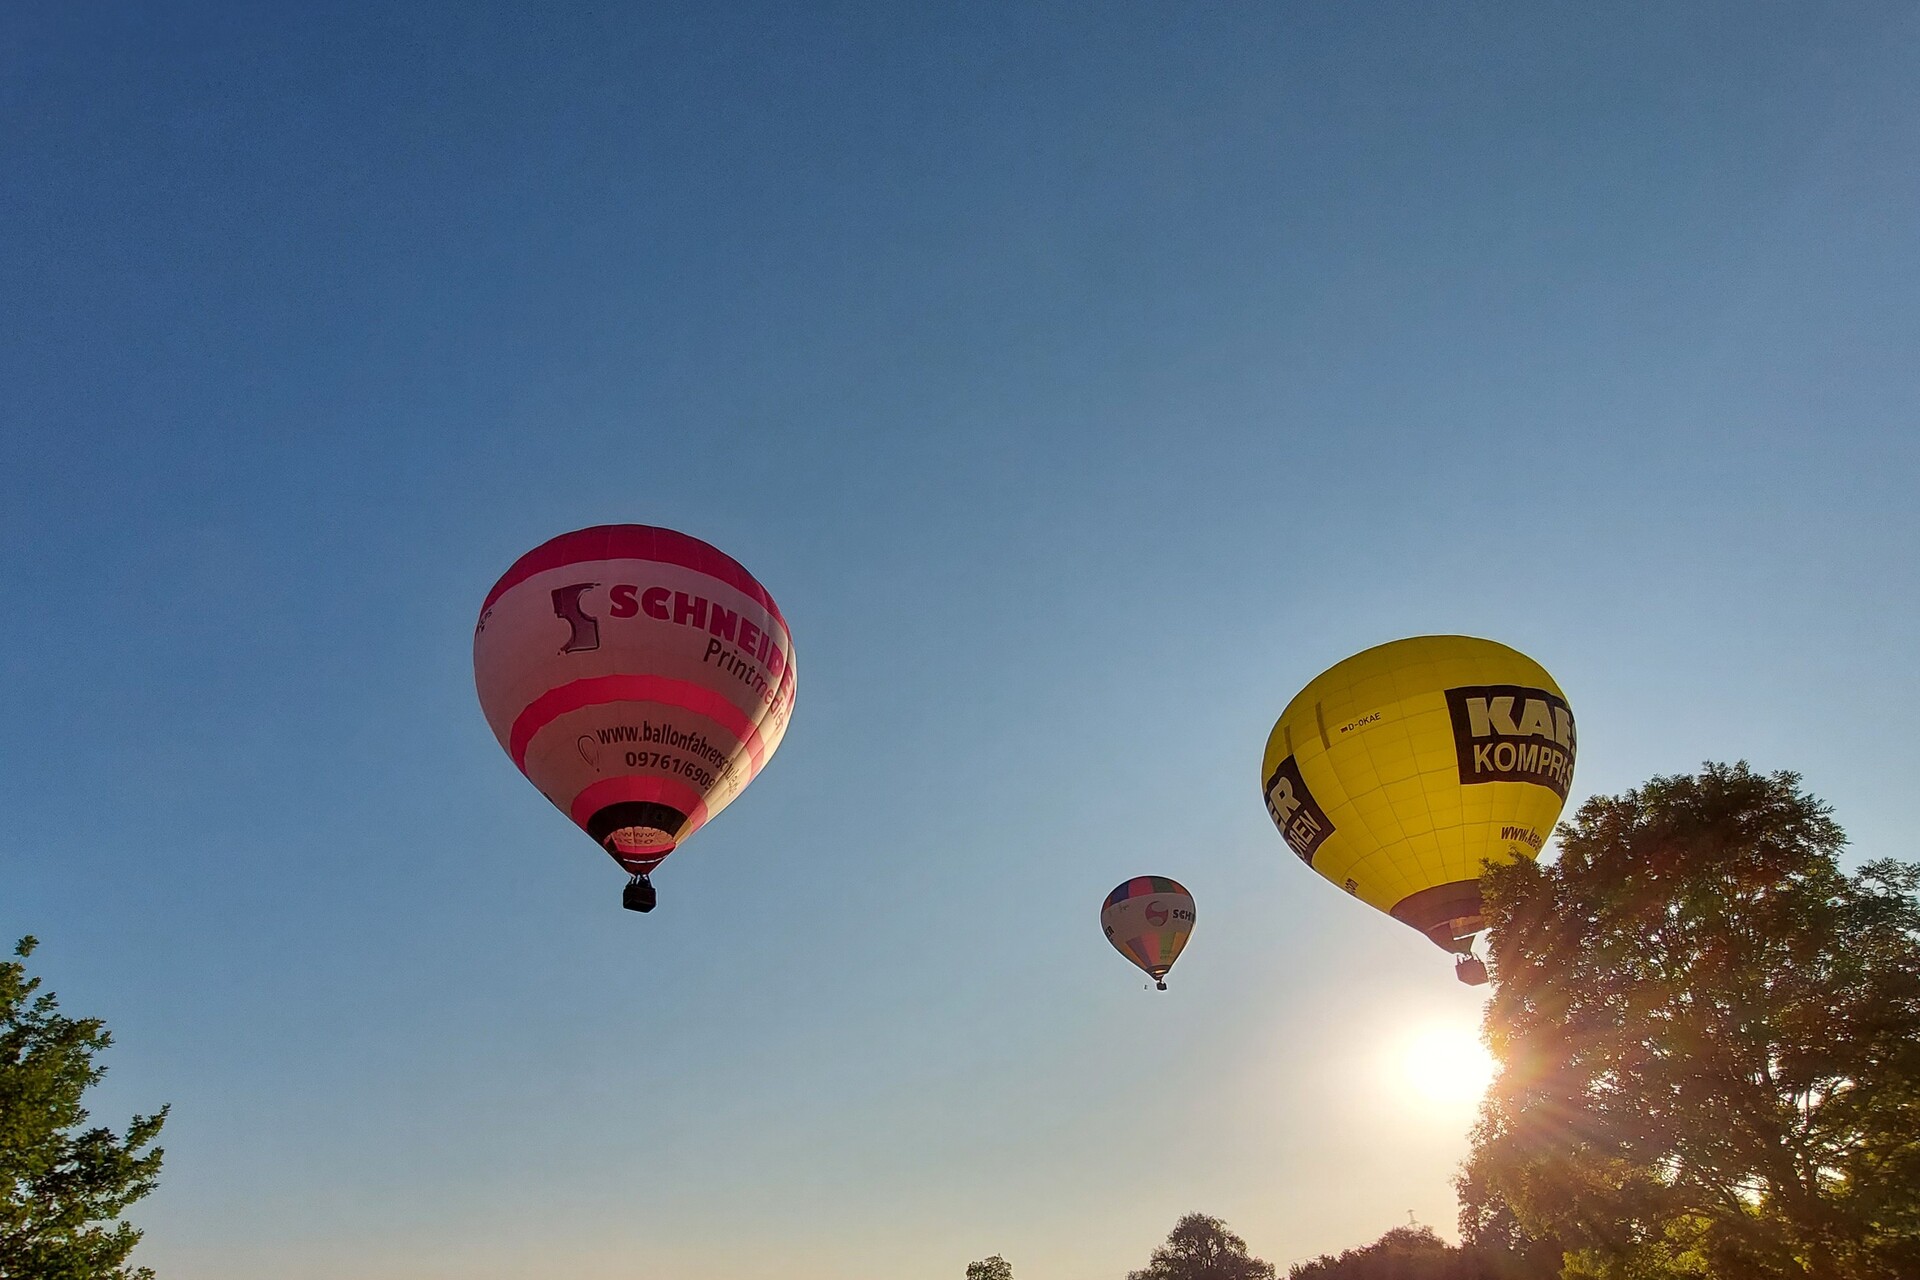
(1201, 1248)
(62, 1187)
(993, 1268)
(1709, 1036)
(1416, 1253)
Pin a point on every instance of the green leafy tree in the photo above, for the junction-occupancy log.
(1201, 1248)
(1404, 1253)
(994, 1268)
(1416, 1253)
(62, 1187)
(1710, 1042)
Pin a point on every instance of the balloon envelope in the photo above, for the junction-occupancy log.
(1397, 772)
(1147, 919)
(638, 677)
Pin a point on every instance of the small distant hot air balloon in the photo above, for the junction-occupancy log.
(1397, 772)
(640, 679)
(1147, 920)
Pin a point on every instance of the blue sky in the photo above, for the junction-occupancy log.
(1081, 381)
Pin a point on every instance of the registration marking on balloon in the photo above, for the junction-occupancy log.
(638, 677)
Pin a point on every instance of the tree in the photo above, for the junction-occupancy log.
(1404, 1253)
(62, 1188)
(1710, 1042)
(1416, 1253)
(994, 1268)
(1201, 1248)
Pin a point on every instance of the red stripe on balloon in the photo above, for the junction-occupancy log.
(667, 791)
(636, 542)
(595, 690)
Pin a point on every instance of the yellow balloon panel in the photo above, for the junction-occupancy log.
(1395, 773)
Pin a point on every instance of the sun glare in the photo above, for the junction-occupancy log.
(1446, 1065)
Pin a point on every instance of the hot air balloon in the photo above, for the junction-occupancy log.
(1397, 772)
(1147, 920)
(640, 679)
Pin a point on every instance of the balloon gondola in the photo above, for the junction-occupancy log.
(638, 677)
(639, 895)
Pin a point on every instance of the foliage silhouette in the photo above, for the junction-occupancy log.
(1416, 1253)
(1201, 1248)
(62, 1188)
(1710, 1043)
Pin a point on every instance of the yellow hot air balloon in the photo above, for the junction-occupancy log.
(1397, 772)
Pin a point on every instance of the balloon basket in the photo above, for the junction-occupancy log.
(639, 895)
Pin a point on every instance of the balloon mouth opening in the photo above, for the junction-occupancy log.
(1449, 914)
(638, 834)
(639, 849)
(1457, 935)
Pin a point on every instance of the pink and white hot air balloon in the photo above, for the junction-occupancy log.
(638, 677)
(1148, 919)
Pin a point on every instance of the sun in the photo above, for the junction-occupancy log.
(1446, 1065)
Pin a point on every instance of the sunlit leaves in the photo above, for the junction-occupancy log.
(1710, 1042)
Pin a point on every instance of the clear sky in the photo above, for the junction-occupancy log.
(1081, 379)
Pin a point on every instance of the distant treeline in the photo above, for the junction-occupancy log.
(1203, 1248)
